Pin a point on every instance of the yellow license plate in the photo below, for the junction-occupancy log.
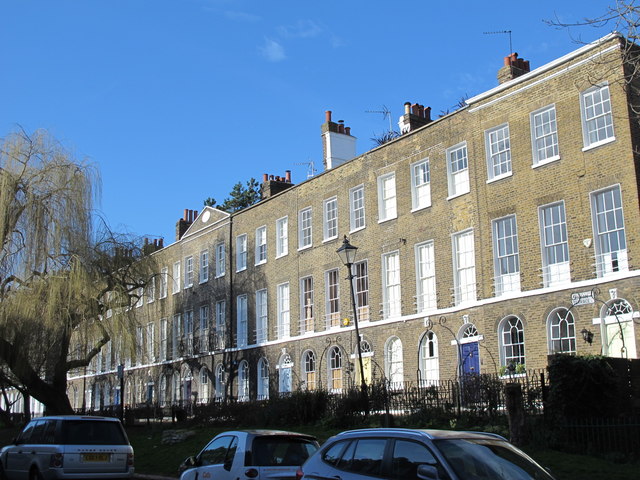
(95, 457)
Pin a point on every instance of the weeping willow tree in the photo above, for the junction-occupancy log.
(61, 279)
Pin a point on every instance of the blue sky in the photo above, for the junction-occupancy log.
(177, 100)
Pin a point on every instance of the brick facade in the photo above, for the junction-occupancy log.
(467, 325)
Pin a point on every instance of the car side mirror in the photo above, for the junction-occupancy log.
(188, 463)
(427, 472)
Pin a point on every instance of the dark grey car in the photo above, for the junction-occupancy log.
(407, 454)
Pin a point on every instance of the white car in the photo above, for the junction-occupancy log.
(68, 447)
(250, 454)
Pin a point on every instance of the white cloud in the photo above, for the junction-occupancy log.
(272, 51)
(302, 29)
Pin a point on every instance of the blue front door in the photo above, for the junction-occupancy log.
(470, 359)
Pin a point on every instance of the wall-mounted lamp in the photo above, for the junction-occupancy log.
(587, 335)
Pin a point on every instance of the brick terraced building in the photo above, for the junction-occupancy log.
(488, 238)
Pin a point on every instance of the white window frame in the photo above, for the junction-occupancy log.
(425, 276)
(151, 290)
(357, 217)
(204, 266)
(164, 282)
(361, 288)
(284, 314)
(221, 260)
(261, 245)
(458, 178)
(176, 278)
(506, 255)
(394, 363)
(163, 339)
(464, 267)
(305, 228)
(282, 237)
(607, 214)
(188, 272)
(307, 308)
(420, 185)
(241, 252)
(332, 297)
(242, 320)
(387, 197)
(391, 289)
(262, 317)
(263, 379)
(554, 243)
(599, 114)
(429, 360)
(498, 149)
(544, 135)
(330, 224)
(221, 323)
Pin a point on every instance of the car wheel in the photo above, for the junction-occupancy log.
(34, 474)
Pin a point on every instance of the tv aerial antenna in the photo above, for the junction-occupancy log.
(311, 169)
(386, 113)
(499, 32)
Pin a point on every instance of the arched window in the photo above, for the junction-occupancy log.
(243, 381)
(284, 374)
(309, 365)
(394, 369)
(429, 363)
(204, 385)
(511, 333)
(561, 331)
(335, 369)
(219, 382)
(263, 379)
(176, 387)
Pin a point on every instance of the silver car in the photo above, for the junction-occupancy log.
(68, 447)
(407, 454)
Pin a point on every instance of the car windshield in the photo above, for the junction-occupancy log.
(271, 451)
(474, 459)
(91, 432)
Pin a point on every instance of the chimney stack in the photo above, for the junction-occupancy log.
(415, 116)
(338, 145)
(272, 185)
(185, 222)
(513, 67)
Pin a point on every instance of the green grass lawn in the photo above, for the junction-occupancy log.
(152, 457)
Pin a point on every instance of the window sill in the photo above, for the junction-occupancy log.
(586, 148)
(282, 255)
(499, 177)
(456, 195)
(354, 230)
(241, 270)
(306, 247)
(331, 239)
(219, 276)
(260, 263)
(417, 209)
(203, 281)
(383, 220)
(546, 161)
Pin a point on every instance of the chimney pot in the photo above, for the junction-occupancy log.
(347, 130)
(287, 176)
(407, 108)
(195, 214)
(265, 177)
(327, 116)
(186, 214)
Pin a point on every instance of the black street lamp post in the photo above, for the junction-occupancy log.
(347, 254)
